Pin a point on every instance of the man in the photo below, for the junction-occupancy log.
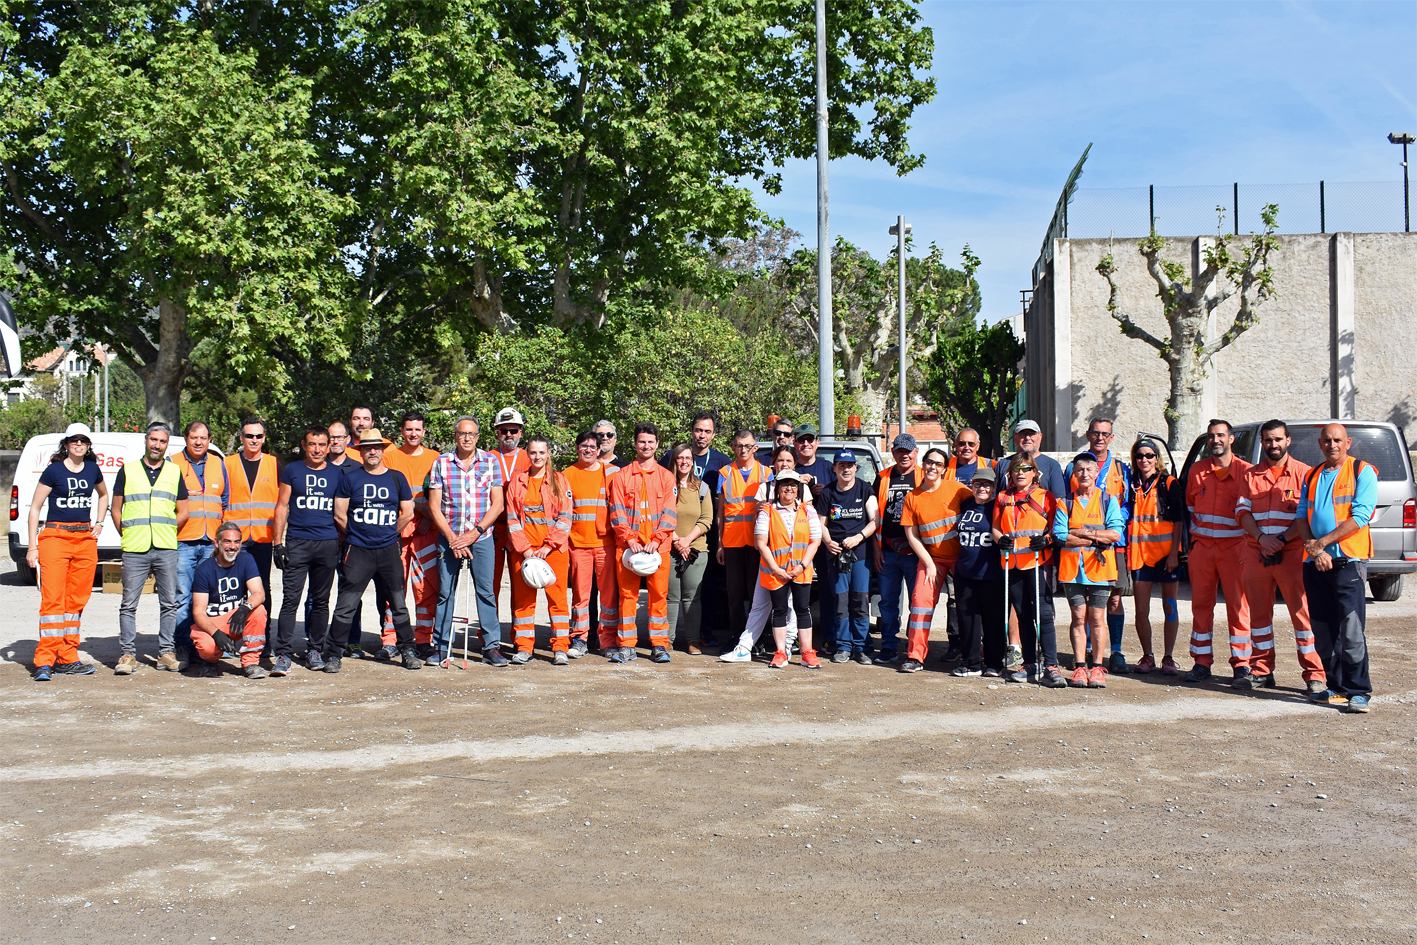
(338, 456)
(207, 498)
(372, 505)
(816, 472)
(606, 436)
(149, 507)
(254, 478)
(895, 561)
(781, 436)
(737, 512)
(465, 498)
(708, 462)
(512, 461)
(966, 460)
(306, 544)
(1114, 477)
(592, 548)
(361, 418)
(849, 509)
(338, 460)
(643, 513)
(1212, 494)
(227, 585)
(1334, 511)
(1273, 557)
(418, 542)
(1088, 526)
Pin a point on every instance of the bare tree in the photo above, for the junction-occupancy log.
(1188, 306)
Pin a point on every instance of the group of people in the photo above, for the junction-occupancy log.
(725, 546)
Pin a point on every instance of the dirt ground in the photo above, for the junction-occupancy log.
(698, 802)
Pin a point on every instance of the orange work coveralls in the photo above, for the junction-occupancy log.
(1217, 541)
(592, 551)
(643, 505)
(539, 517)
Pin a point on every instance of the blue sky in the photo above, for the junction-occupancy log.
(1168, 93)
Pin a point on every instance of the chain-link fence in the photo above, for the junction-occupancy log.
(1323, 207)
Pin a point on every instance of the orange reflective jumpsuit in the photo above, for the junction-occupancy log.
(935, 516)
(1217, 541)
(418, 545)
(513, 464)
(68, 556)
(592, 551)
(539, 517)
(644, 506)
(252, 640)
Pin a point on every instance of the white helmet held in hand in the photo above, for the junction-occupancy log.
(643, 563)
(537, 573)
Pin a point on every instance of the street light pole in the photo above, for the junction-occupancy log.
(1404, 139)
(899, 231)
(826, 371)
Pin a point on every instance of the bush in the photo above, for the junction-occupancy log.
(26, 419)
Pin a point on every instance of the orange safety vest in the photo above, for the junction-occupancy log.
(1023, 517)
(787, 549)
(589, 505)
(203, 502)
(1149, 538)
(1099, 564)
(1360, 543)
(253, 509)
(983, 462)
(739, 508)
(538, 514)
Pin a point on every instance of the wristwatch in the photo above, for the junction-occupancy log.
(479, 529)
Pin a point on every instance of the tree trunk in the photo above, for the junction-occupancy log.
(1184, 420)
(875, 405)
(164, 374)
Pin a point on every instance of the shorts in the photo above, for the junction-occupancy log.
(1156, 574)
(1094, 595)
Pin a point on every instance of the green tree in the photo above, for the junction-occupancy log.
(28, 418)
(974, 378)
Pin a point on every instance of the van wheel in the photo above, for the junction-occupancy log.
(1388, 587)
(27, 574)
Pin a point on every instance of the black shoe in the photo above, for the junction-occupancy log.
(911, 666)
(659, 655)
(425, 652)
(1265, 681)
(1244, 679)
(76, 668)
(885, 658)
(953, 654)
(43, 673)
(1117, 665)
(388, 653)
(411, 660)
(332, 664)
(1198, 673)
(492, 656)
(863, 658)
(205, 670)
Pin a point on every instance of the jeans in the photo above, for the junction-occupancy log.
(359, 566)
(162, 563)
(850, 606)
(317, 560)
(981, 621)
(188, 557)
(896, 570)
(684, 591)
(1029, 590)
(450, 568)
(1338, 610)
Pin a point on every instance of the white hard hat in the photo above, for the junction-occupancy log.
(643, 563)
(77, 429)
(509, 415)
(537, 573)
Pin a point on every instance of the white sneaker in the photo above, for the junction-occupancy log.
(739, 654)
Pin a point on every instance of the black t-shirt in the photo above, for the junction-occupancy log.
(901, 485)
(312, 501)
(844, 510)
(373, 505)
(820, 470)
(224, 587)
(121, 480)
(253, 469)
(978, 556)
(71, 493)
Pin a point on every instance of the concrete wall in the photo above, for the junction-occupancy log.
(1338, 338)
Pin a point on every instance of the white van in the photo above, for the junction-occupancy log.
(112, 451)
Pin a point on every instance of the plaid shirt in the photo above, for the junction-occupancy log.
(466, 490)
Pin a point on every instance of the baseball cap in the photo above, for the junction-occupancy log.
(75, 430)
(508, 415)
(804, 429)
(903, 441)
(984, 474)
(845, 456)
(1023, 425)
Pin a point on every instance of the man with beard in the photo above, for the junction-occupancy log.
(1212, 495)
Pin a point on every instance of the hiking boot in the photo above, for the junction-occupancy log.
(43, 673)
(841, 656)
(864, 658)
(560, 658)
(355, 651)
(628, 654)
(1117, 663)
(255, 672)
(1243, 679)
(314, 661)
(809, 659)
(281, 666)
(184, 658)
(1097, 678)
(1199, 673)
(425, 652)
(659, 655)
(168, 663)
(389, 653)
(578, 649)
(1078, 680)
(1265, 681)
(1013, 656)
(521, 657)
(1316, 686)
(962, 671)
(1019, 675)
(1169, 667)
(76, 668)
(779, 660)
(886, 657)
(492, 656)
(331, 665)
(1053, 678)
(410, 659)
(1146, 665)
(127, 665)
(739, 654)
(1358, 705)
(911, 666)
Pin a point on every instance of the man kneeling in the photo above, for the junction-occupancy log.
(228, 606)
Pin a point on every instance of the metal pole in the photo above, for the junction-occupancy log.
(1237, 209)
(106, 358)
(900, 251)
(1406, 203)
(1322, 221)
(826, 372)
(1151, 207)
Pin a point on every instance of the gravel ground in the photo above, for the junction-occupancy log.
(698, 802)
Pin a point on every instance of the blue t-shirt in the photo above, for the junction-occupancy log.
(71, 493)
(312, 501)
(373, 506)
(978, 555)
(224, 587)
(1112, 521)
(1365, 499)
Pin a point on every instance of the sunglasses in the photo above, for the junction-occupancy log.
(782, 433)
(1146, 456)
(605, 436)
(933, 464)
(509, 431)
(1025, 468)
(806, 438)
(253, 436)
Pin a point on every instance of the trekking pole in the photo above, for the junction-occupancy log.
(467, 611)
(1037, 616)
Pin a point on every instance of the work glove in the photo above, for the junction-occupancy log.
(279, 556)
(225, 643)
(1006, 543)
(1038, 543)
(236, 626)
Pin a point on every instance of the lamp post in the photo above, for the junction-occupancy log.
(900, 231)
(826, 372)
(1404, 139)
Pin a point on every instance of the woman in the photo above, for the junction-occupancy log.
(539, 526)
(979, 582)
(689, 548)
(930, 517)
(66, 551)
(1153, 553)
(1023, 522)
(783, 459)
(787, 534)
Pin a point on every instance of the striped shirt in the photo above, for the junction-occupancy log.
(466, 489)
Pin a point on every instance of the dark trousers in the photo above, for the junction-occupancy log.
(952, 617)
(792, 596)
(359, 566)
(713, 615)
(354, 630)
(261, 551)
(740, 567)
(1338, 610)
(317, 561)
(1023, 593)
(981, 622)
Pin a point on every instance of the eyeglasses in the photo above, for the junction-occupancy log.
(1099, 433)
(782, 434)
(933, 464)
(587, 446)
(966, 445)
(1025, 468)
(467, 433)
(339, 436)
(806, 438)
(1146, 456)
(253, 436)
(506, 431)
(740, 447)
